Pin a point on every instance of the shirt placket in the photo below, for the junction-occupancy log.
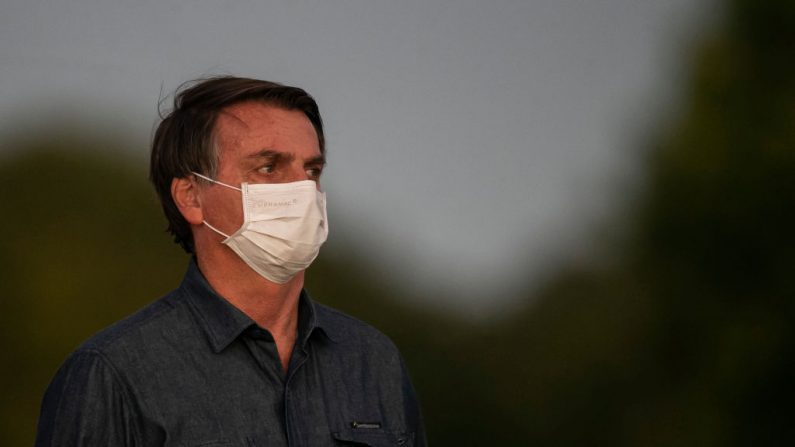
(262, 348)
(292, 403)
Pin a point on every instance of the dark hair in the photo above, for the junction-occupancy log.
(184, 140)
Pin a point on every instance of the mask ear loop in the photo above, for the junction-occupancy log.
(222, 184)
(215, 229)
(215, 181)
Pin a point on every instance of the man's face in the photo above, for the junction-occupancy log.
(258, 143)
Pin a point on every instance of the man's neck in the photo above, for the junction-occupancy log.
(272, 306)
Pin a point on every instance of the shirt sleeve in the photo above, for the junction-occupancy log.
(86, 405)
(413, 412)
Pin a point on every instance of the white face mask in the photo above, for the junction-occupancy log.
(284, 225)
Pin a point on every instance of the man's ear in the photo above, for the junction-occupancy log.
(185, 193)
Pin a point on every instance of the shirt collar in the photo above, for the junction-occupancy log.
(223, 322)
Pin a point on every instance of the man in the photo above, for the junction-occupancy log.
(239, 354)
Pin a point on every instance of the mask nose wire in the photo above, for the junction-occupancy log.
(222, 184)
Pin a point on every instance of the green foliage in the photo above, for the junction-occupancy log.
(715, 240)
(82, 246)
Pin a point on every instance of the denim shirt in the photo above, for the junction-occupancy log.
(192, 370)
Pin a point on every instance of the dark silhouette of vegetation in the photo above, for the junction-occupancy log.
(685, 337)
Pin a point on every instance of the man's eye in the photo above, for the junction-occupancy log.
(267, 169)
(314, 172)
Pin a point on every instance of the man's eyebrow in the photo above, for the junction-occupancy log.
(319, 160)
(270, 153)
(286, 156)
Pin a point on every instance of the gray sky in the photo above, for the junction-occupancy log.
(470, 142)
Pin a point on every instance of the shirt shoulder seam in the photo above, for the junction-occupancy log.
(124, 387)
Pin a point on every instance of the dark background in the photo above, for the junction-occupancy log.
(679, 333)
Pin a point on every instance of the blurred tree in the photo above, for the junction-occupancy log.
(82, 246)
(715, 235)
(687, 337)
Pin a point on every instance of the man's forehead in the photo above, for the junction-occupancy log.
(258, 126)
(245, 115)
